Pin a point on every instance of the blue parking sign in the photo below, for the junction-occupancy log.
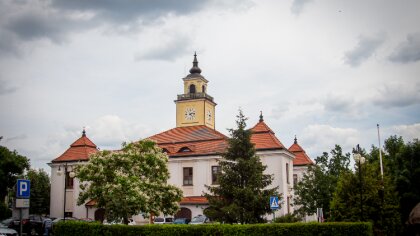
(23, 188)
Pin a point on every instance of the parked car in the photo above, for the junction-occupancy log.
(131, 222)
(31, 225)
(164, 220)
(7, 222)
(4, 231)
(182, 221)
(89, 220)
(200, 219)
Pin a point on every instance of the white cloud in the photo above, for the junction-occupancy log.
(408, 132)
(322, 138)
(109, 131)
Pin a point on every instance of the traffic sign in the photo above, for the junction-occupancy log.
(23, 188)
(22, 203)
(274, 203)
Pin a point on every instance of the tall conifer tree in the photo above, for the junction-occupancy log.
(242, 195)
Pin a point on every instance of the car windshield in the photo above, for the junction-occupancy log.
(179, 220)
(198, 219)
(159, 219)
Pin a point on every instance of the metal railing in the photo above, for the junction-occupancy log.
(194, 95)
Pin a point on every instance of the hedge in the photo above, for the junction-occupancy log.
(71, 228)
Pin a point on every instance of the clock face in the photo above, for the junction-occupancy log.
(190, 113)
(208, 115)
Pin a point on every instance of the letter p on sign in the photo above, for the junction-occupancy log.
(23, 188)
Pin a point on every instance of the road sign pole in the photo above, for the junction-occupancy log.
(20, 218)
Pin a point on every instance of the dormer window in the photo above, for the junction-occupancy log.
(192, 88)
(184, 149)
(165, 150)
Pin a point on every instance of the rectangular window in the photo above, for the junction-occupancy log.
(288, 205)
(215, 170)
(287, 173)
(188, 176)
(295, 179)
(69, 181)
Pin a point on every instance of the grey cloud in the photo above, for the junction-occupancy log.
(167, 51)
(338, 104)
(398, 95)
(18, 137)
(5, 88)
(298, 5)
(364, 49)
(407, 51)
(33, 26)
(131, 10)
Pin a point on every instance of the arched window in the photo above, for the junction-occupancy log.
(192, 88)
(184, 149)
(204, 88)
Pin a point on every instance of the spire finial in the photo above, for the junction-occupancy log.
(295, 139)
(261, 117)
(195, 69)
(83, 132)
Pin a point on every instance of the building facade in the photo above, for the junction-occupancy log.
(194, 147)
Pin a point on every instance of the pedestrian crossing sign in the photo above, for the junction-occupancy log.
(274, 202)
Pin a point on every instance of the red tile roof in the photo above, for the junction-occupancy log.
(194, 200)
(80, 150)
(301, 157)
(91, 203)
(191, 141)
(202, 140)
(264, 138)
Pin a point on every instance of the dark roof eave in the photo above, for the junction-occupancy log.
(307, 164)
(269, 149)
(192, 141)
(196, 155)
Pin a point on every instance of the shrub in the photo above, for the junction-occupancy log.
(288, 218)
(338, 228)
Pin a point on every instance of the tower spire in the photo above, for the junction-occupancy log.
(195, 69)
(83, 132)
(261, 117)
(295, 139)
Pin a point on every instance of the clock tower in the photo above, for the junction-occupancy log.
(195, 106)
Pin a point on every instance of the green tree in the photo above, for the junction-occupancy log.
(243, 192)
(40, 191)
(347, 205)
(317, 186)
(12, 165)
(129, 181)
(403, 163)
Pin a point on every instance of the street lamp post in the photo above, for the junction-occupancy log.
(71, 175)
(359, 159)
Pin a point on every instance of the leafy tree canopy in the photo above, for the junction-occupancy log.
(363, 196)
(402, 161)
(318, 184)
(40, 191)
(242, 194)
(129, 181)
(11, 166)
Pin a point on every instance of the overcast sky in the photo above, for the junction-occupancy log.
(326, 71)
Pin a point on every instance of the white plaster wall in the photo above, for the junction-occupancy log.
(201, 173)
(276, 165)
(57, 193)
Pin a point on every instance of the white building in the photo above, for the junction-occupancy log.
(193, 147)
